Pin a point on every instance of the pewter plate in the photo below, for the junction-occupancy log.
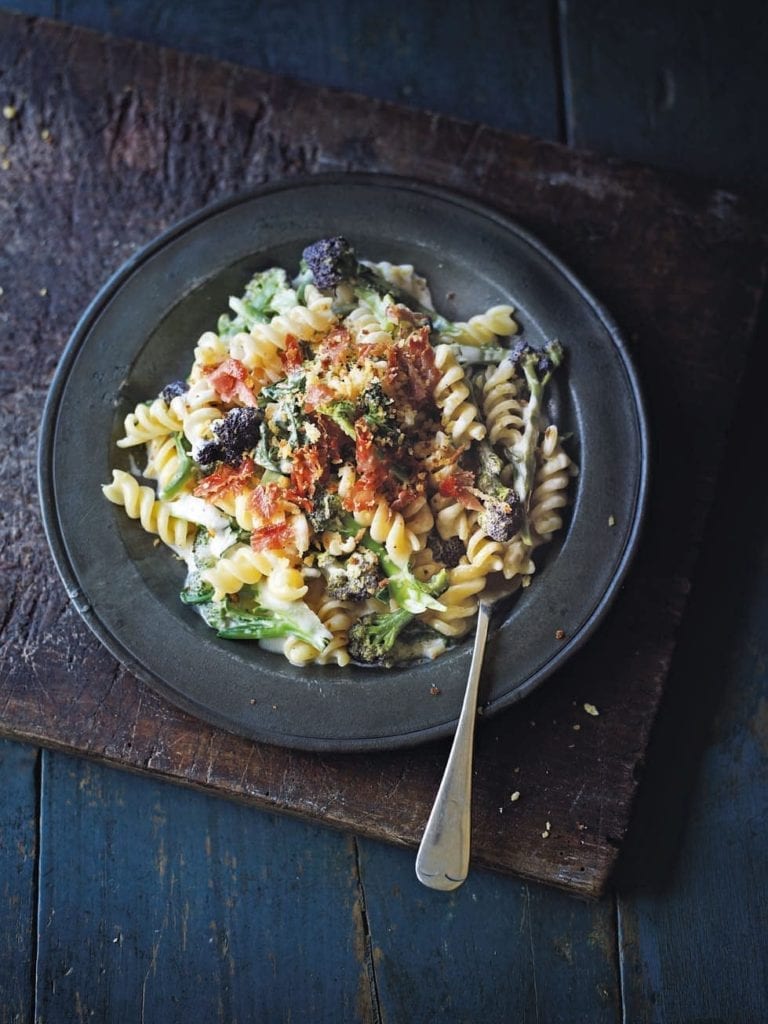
(139, 332)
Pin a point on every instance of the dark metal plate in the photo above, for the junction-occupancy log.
(139, 333)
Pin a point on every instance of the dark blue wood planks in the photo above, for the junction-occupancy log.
(18, 860)
(677, 84)
(495, 950)
(488, 62)
(161, 903)
(695, 944)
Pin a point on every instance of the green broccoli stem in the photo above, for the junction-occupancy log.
(260, 624)
(183, 471)
(470, 355)
(523, 453)
(409, 593)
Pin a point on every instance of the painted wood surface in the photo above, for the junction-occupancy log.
(18, 879)
(693, 905)
(672, 83)
(487, 61)
(175, 132)
(153, 896)
(495, 950)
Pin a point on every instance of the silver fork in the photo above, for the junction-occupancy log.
(443, 858)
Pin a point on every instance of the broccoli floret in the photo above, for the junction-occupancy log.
(354, 579)
(415, 642)
(258, 303)
(540, 362)
(343, 413)
(376, 405)
(537, 365)
(238, 432)
(448, 552)
(173, 390)
(326, 511)
(208, 453)
(372, 637)
(501, 520)
(331, 260)
(406, 591)
(253, 620)
(503, 514)
(393, 638)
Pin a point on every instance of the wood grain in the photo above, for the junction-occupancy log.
(495, 950)
(660, 84)
(139, 137)
(692, 905)
(18, 859)
(476, 61)
(207, 911)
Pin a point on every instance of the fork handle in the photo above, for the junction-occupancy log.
(443, 858)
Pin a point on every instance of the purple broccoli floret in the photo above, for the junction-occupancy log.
(173, 390)
(330, 260)
(237, 433)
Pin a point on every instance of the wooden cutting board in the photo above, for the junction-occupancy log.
(111, 142)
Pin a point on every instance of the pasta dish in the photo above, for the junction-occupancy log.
(343, 468)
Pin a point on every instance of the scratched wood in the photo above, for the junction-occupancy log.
(18, 852)
(472, 61)
(657, 85)
(693, 912)
(155, 897)
(495, 950)
(174, 132)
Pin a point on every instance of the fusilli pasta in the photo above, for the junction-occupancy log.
(339, 477)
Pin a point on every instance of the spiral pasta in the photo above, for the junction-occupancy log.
(485, 327)
(502, 408)
(163, 462)
(459, 417)
(366, 328)
(337, 617)
(241, 565)
(550, 491)
(389, 528)
(340, 473)
(154, 419)
(140, 503)
(465, 582)
(210, 350)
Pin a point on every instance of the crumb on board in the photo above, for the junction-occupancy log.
(547, 829)
(45, 135)
(435, 690)
(591, 710)
(559, 634)
(515, 796)
(5, 164)
(42, 292)
(252, 700)
(576, 727)
(9, 112)
(611, 520)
